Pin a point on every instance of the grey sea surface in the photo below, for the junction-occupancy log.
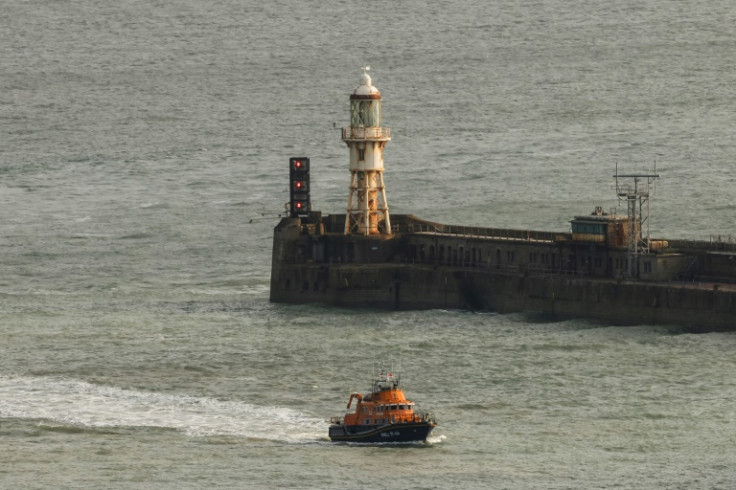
(143, 166)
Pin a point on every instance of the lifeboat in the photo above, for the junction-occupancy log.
(384, 415)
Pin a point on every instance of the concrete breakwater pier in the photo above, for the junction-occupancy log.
(607, 267)
(426, 265)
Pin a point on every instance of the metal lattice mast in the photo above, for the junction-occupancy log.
(636, 194)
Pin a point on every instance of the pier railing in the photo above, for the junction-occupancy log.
(479, 232)
(715, 243)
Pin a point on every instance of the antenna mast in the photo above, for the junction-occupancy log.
(636, 193)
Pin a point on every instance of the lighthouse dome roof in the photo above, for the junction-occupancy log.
(366, 88)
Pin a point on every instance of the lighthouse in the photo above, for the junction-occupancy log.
(367, 212)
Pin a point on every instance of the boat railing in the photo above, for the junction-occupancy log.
(423, 418)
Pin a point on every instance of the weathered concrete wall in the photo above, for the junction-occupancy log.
(402, 286)
(424, 270)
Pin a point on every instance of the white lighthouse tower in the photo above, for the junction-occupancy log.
(367, 212)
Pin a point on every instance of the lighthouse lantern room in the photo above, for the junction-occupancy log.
(367, 212)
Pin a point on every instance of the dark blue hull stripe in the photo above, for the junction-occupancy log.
(385, 433)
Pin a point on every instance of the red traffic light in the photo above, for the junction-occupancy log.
(300, 185)
(299, 164)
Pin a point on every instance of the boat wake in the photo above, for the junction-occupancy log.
(80, 404)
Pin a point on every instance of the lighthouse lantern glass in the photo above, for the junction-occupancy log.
(365, 113)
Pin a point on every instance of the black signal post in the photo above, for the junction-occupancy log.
(299, 186)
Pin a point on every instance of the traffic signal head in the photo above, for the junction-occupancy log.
(299, 186)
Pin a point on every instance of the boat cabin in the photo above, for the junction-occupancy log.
(386, 404)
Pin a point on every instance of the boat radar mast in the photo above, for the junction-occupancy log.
(367, 212)
(635, 191)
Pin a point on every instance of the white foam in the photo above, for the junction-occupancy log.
(78, 403)
(432, 439)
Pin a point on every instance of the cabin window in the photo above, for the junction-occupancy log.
(647, 266)
(589, 228)
(510, 256)
(361, 154)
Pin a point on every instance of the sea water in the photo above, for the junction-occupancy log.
(143, 166)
